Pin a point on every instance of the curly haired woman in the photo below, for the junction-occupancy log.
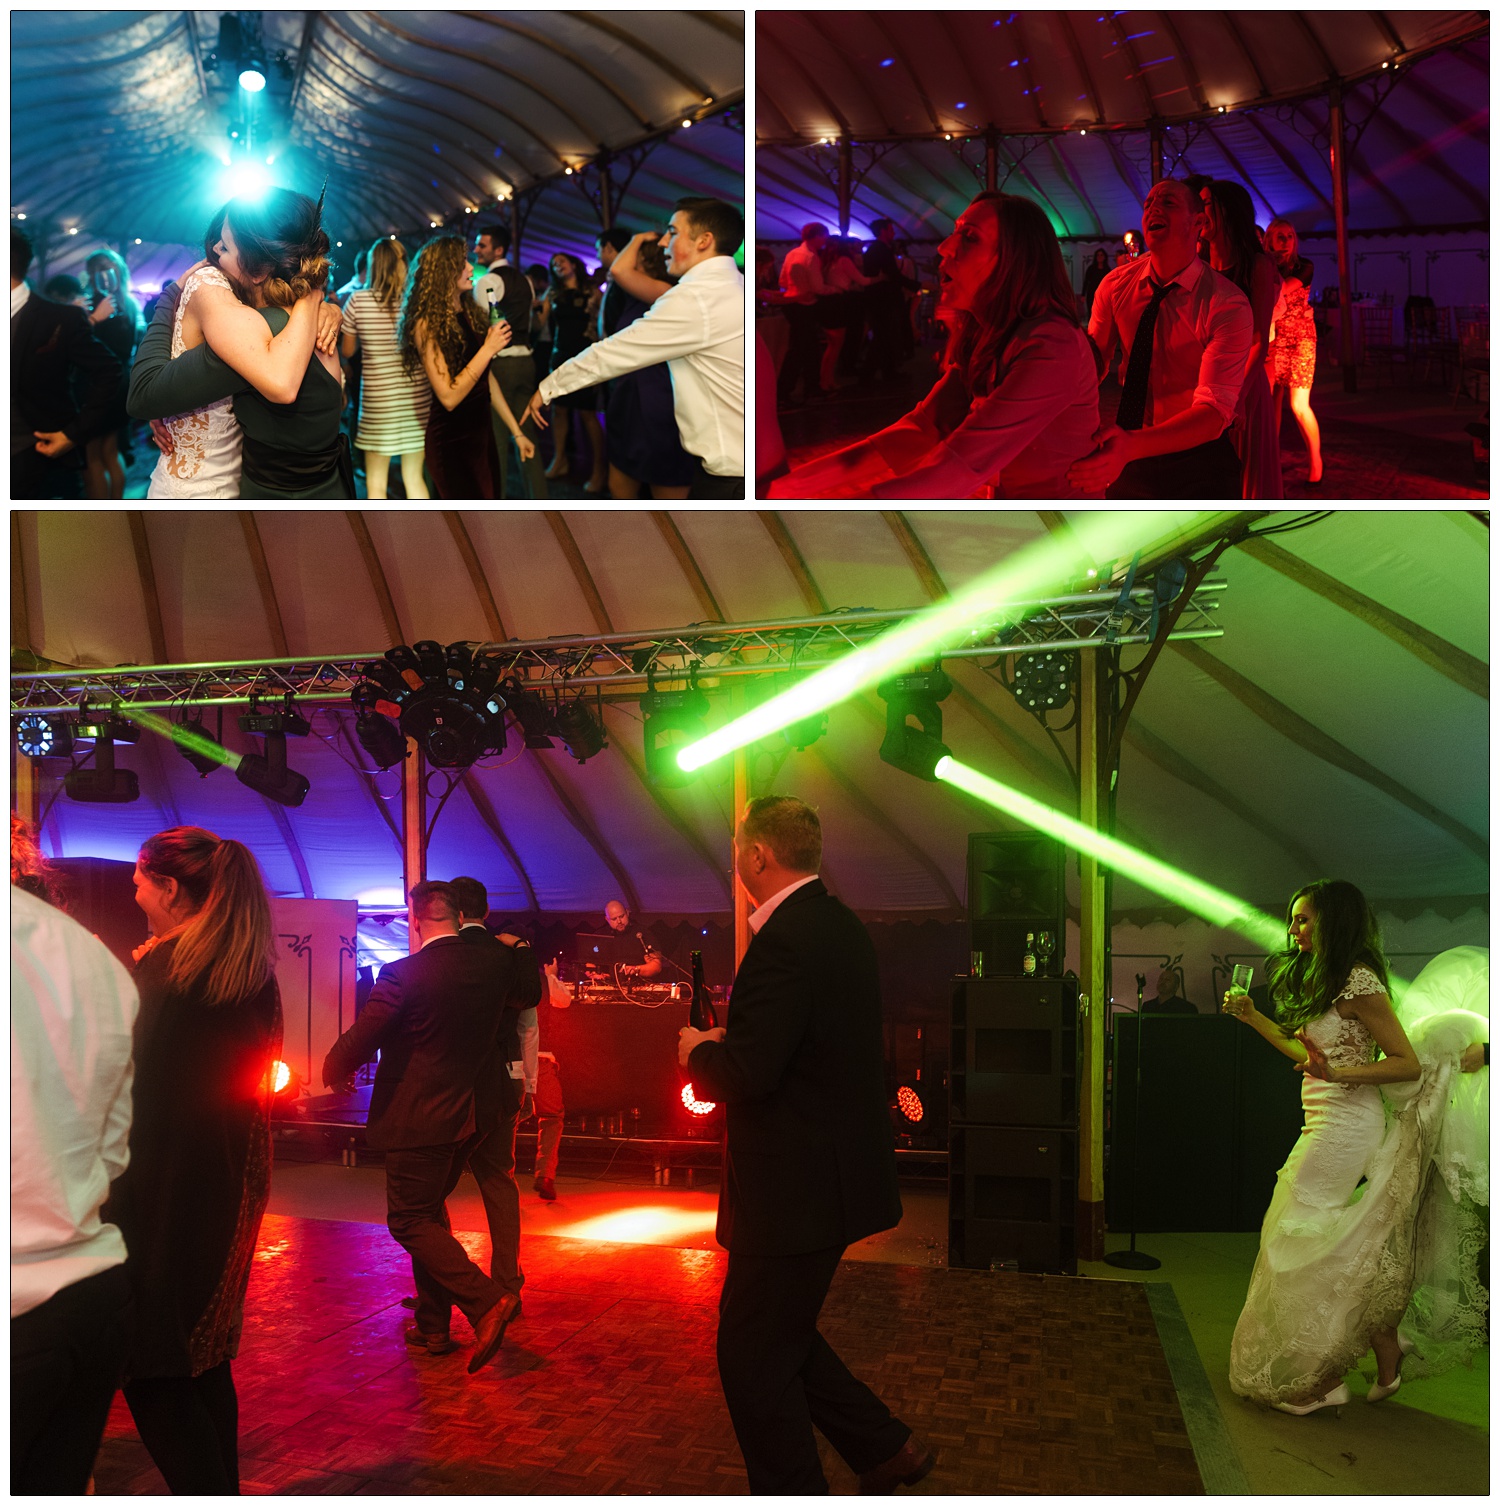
(443, 333)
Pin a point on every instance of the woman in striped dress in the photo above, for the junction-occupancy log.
(393, 407)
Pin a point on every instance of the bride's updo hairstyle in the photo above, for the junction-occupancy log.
(1028, 280)
(1345, 934)
(280, 234)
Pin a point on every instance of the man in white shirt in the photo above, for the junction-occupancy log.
(698, 329)
(812, 303)
(515, 367)
(1187, 333)
(73, 1008)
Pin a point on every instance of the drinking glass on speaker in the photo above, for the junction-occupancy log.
(976, 964)
(1045, 946)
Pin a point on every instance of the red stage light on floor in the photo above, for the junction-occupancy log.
(692, 1105)
(909, 1104)
(282, 1081)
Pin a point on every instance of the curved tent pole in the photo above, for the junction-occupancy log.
(1339, 168)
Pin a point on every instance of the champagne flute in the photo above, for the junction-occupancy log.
(1044, 949)
(1239, 981)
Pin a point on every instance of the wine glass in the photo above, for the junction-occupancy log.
(1044, 949)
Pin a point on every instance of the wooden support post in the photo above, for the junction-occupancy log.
(846, 181)
(1339, 165)
(515, 229)
(991, 159)
(1157, 169)
(606, 194)
(26, 789)
(1092, 949)
(413, 822)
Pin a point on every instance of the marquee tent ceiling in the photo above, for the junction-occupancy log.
(1339, 726)
(1420, 156)
(120, 121)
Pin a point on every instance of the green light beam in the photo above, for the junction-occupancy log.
(1202, 899)
(184, 737)
(979, 608)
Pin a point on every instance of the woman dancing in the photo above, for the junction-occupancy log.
(1018, 399)
(443, 333)
(569, 309)
(640, 427)
(1234, 250)
(190, 1202)
(1344, 1267)
(1294, 350)
(251, 408)
(116, 321)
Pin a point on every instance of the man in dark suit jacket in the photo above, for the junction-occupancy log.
(435, 1019)
(501, 1097)
(63, 384)
(809, 1164)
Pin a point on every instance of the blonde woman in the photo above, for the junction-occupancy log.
(393, 406)
(190, 1202)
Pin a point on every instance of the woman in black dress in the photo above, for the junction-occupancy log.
(641, 434)
(190, 1202)
(570, 306)
(443, 333)
(115, 318)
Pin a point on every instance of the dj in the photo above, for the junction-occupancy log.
(619, 921)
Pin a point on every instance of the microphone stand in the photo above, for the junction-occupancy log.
(1133, 1259)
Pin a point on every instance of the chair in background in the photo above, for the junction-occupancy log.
(1377, 350)
(1473, 361)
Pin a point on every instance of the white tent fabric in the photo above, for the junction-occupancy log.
(1073, 95)
(121, 120)
(1336, 729)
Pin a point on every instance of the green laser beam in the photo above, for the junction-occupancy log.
(1202, 899)
(997, 597)
(184, 737)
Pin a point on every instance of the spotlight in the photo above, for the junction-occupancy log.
(252, 78)
(673, 719)
(800, 734)
(445, 699)
(286, 721)
(284, 1084)
(380, 739)
(1043, 682)
(192, 738)
(267, 773)
(532, 715)
(44, 737)
(909, 1102)
(914, 750)
(104, 784)
(694, 1105)
(581, 730)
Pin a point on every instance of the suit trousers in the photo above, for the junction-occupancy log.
(782, 1379)
(66, 1358)
(418, 1181)
(517, 380)
(493, 1162)
(548, 1105)
(1207, 470)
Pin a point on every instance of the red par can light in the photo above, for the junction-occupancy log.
(692, 1104)
(909, 1104)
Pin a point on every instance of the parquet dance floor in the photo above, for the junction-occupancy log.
(606, 1384)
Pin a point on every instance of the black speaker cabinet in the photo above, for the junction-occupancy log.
(1016, 885)
(1220, 1110)
(1014, 1051)
(1012, 1196)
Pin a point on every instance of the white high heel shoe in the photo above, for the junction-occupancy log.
(1377, 1392)
(1335, 1398)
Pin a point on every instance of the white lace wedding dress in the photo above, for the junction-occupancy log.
(205, 459)
(1375, 1219)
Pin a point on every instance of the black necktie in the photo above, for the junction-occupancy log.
(1132, 411)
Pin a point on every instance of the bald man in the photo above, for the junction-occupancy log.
(617, 915)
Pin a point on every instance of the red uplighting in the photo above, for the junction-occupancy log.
(692, 1105)
(909, 1104)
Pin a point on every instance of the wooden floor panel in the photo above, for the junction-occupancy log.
(606, 1384)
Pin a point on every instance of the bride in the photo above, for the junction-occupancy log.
(1372, 1237)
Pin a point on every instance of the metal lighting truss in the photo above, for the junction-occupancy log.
(616, 664)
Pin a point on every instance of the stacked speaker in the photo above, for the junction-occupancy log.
(1013, 1074)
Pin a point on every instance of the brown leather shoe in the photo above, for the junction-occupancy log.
(913, 1463)
(490, 1333)
(546, 1189)
(433, 1343)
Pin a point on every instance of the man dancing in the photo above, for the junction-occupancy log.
(809, 1164)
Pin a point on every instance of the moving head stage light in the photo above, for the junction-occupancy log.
(444, 699)
(104, 784)
(914, 750)
(267, 774)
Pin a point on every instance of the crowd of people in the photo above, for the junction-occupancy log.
(259, 381)
(1203, 322)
